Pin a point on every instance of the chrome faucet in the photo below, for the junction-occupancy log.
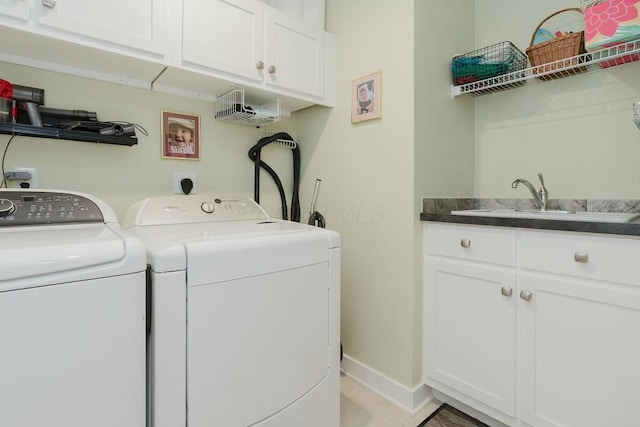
(540, 197)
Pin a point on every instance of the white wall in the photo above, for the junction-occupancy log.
(122, 175)
(577, 131)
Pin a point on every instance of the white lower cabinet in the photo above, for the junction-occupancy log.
(550, 337)
(579, 333)
(470, 315)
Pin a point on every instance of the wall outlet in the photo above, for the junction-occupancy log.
(16, 183)
(179, 176)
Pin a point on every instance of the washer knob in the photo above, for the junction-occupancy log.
(7, 207)
(207, 207)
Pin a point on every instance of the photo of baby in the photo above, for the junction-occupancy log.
(180, 136)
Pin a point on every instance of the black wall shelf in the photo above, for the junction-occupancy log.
(72, 135)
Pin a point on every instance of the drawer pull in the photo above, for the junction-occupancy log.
(48, 3)
(260, 65)
(272, 69)
(581, 257)
(526, 295)
(506, 291)
(465, 243)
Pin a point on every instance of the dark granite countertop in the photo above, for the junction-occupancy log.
(439, 210)
(628, 229)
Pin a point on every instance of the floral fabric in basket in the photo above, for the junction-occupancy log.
(611, 22)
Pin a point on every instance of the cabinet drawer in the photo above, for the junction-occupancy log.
(615, 259)
(474, 243)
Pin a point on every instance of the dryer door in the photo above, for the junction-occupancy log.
(256, 344)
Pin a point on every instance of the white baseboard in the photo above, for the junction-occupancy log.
(409, 400)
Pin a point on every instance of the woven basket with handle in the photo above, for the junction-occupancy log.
(557, 49)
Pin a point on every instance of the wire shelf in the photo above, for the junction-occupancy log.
(283, 143)
(231, 107)
(610, 57)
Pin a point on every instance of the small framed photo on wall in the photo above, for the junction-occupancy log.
(365, 94)
(180, 136)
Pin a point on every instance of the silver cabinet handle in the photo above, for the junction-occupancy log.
(526, 295)
(581, 257)
(506, 291)
(272, 69)
(260, 65)
(465, 243)
(48, 3)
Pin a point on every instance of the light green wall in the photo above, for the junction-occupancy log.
(577, 131)
(443, 146)
(376, 173)
(122, 175)
(367, 188)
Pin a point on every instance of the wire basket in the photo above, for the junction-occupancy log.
(231, 107)
(558, 53)
(500, 58)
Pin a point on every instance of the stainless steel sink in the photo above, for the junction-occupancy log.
(558, 215)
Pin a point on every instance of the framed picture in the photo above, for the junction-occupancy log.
(365, 94)
(180, 136)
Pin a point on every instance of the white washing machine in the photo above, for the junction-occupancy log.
(72, 313)
(245, 323)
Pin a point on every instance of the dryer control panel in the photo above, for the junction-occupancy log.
(46, 207)
(187, 209)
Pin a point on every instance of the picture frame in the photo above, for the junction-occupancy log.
(366, 97)
(180, 136)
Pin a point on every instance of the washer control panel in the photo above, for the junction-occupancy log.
(37, 208)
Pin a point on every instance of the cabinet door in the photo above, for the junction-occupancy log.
(580, 347)
(294, 54)
(15, 9)
(139, 24)
(470, 330)
(233, 36)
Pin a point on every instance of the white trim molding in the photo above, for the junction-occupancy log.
(409, 400)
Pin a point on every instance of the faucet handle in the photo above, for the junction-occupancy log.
(544, 194)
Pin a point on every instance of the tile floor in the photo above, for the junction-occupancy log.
(360, 407)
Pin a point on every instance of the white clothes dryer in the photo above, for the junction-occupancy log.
(72, 313)
(245, 315)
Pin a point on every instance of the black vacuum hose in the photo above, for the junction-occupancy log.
(254, 155)
(295, 200)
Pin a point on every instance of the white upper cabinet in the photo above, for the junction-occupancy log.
(224, 36)
(194, 48)
(139, 24)
(294, 54)
(15, 9)
(252, 42)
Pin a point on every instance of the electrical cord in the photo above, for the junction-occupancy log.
(4, 155)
